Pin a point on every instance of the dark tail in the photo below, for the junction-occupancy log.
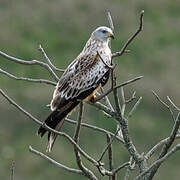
(55, 121)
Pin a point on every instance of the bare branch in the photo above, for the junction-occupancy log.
(110, 154)
(126, 177)
(128, 142)
(78, 125)
(123, 107)
(139, 159)
(104, 108)
(173, 104)
(131, 167)
(132, 98)
(32, 62)
(166, 146)
(116, 87)
(115, 93)
(55, 162)
(159, 144)
(107, 147)
(120, 53)
(171, 137)
(50, 129)
(107, 65)
(48, 60)
(110, 20)
(114, 171)
(166, 105)
(123, 124)
(86, 171)
(12, 170)
(27, 79)
(120, 167)
(157, 163)
(95, 128)
(134, 108)
(107, 101)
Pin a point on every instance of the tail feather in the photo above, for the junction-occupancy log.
(51, 121)
(52, 136)
(65, 107)
(55, 121)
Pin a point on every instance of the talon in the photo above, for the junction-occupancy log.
(93, 97)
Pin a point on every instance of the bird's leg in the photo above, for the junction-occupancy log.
(92, 98)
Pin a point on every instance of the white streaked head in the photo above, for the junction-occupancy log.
(103, 33)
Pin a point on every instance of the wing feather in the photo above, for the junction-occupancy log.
(81, 75)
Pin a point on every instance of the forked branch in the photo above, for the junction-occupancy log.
(48, 60)
(32, 62)
(122, 51)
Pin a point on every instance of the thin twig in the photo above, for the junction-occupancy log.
(167, 145)
(49, 129)
(48, 60)
(171, 137)
(159, 144)
(123, 125)
(134, 108)
(120, 167)
(95, 128)
(166, 105)
(107, 101)
(132, 98)
(32, 62)
(116, 87)
(107, 147)
(158, 162)
(126, 177)
(81, 166)
(129, 168)
(110, 154)
(104, 108)
(173, 104)
(114, 171)
(131, 38)
(115, 93)
(78, 125)
(128, 141)
(77, 171)
(104, 62)
(110, 20)
(123, 101)
(12, 170)
(27, 79)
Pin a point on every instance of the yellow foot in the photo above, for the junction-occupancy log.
(92, 98)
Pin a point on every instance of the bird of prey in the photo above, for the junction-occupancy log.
(80, 81)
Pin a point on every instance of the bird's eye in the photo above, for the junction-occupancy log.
(104, 31)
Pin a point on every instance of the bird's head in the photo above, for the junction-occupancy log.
(103, 33)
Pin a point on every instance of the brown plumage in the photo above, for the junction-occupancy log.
(80, 81)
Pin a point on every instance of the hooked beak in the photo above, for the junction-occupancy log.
(111, 35)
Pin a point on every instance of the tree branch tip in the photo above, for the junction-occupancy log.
(110, 20)
(30, 148)
(40, 47)
(142, 12)
(127, 51)
(139, 77)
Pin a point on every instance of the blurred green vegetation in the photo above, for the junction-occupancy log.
(63, 27)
